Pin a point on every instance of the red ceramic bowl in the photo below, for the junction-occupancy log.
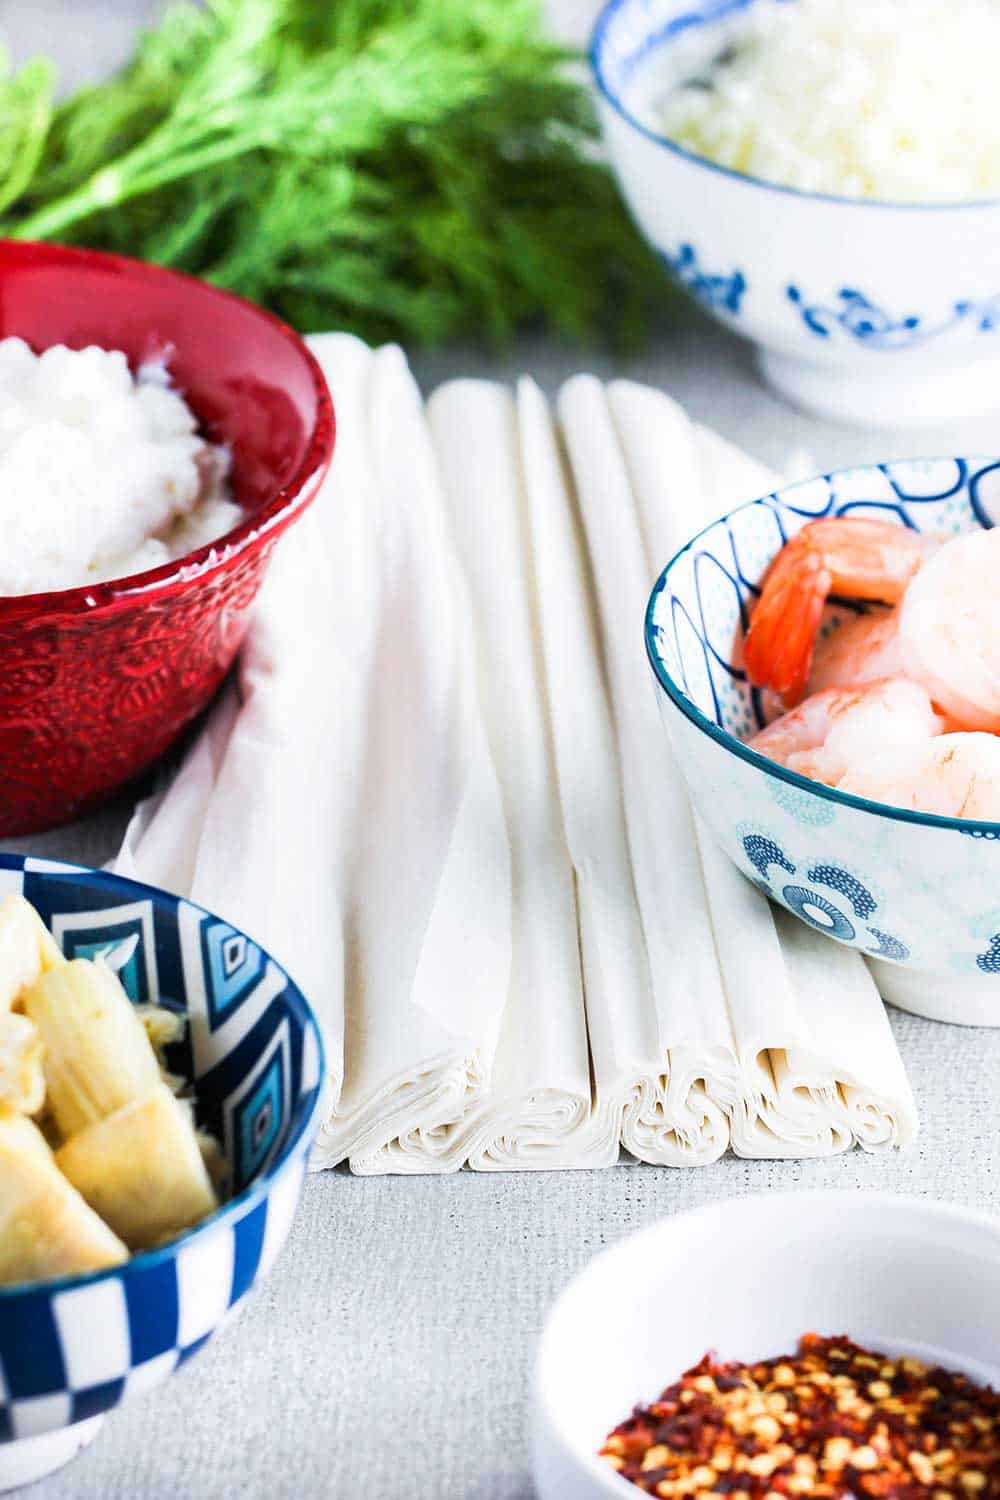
(96, 682)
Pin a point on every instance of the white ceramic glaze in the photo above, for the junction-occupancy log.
(914, 891)
(958, 1000)
(881, 314)
(32, 1459)
(747, 1278)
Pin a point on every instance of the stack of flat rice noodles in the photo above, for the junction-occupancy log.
(440, 793)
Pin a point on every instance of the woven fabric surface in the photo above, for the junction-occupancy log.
(412, 1377)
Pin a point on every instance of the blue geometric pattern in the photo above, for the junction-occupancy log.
(234, 964)
(989, 961)
(816, 906)
(258, 1120)
(126, 957)
(763, 853)
(888, 947)
(839, 880)
(818, 912)
(123, 936)
(861, 320)
(808, 810)
(75, 1347)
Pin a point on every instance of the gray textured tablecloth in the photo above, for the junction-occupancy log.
(389, 1353)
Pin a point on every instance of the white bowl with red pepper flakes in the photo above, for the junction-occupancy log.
(672, 1364)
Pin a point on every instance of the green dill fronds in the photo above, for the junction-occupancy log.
(414, 169)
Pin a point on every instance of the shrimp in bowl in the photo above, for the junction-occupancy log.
(954, 776)
(864, 796)
(862, 560)
(870, 705)
(840, 730)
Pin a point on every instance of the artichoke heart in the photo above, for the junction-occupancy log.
(46, 1228)
(98, 1057)
(142, 1170)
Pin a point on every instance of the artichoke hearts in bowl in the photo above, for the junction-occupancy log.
(108, 1286)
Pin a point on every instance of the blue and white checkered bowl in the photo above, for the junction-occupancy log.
(878, 313)
(72, 1349)
(910, 889)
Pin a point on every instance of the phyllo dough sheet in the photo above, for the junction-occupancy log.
(440, 791)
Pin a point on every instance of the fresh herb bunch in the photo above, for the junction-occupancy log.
(413, 169)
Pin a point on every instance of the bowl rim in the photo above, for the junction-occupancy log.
(272, 516)
(259, 1188)
(971, 827)
(933, 1209)
(596, 55)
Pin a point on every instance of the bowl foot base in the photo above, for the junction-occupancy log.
(27, 1459)
(959, 999)
(928, 397)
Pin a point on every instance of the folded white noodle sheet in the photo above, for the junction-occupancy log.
(786, 1047)
(632, 1082)
(541, 1112)
(467, 839)
(818, 1065)
(429, 891)
(361, 826)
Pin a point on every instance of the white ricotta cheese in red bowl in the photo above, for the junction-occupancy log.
(103, 473)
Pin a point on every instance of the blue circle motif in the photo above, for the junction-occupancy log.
(989, 962)
(816, 908)
(812, 812)
(818, 912)
(862, 901)
(763, 852)
(888, 946)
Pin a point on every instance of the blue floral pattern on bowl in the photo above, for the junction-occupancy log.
(864, 321)
(900, 886)
(908, 344)
(834, 901)
(722, 293)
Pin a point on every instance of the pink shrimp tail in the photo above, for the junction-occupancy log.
(861, 559)
(778, 649)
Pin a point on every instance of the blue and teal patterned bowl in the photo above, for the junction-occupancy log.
(910, 888)
(72, 1349)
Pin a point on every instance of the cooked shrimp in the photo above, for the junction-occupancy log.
(949, 630)
(835, 730)
(945, 635)
(861, 649)
(955, 775)
(860, 559)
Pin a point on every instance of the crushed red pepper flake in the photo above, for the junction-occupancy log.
(833, 1421)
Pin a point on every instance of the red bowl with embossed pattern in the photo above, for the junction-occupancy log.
(96, 682)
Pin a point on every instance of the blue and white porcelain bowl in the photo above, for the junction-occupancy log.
(879, 313)
(72, 1349)
(916, 891)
